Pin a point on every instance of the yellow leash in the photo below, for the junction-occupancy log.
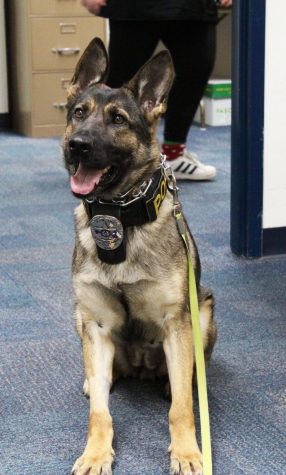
(197, 334)
(199, 350)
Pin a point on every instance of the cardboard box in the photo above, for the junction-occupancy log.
(217, 103)
(218, 89)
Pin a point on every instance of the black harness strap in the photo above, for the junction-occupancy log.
(141, 210)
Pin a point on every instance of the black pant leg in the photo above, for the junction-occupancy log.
(131, 45)
(192, 46)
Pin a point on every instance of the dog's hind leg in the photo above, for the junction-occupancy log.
(185, 454)
(208, 326)
(98, 353)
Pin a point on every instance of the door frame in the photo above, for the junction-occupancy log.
(248, 64)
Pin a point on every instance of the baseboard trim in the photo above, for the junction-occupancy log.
(274, 241)
(5, 122)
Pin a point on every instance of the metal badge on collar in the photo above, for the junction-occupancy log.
(107, 231)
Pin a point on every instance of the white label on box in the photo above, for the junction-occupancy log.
(218, 112)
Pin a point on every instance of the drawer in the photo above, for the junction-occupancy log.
(49, 92)
(57, 43)
(57, 7)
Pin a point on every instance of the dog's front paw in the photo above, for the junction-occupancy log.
(189, 463)
(93, 465)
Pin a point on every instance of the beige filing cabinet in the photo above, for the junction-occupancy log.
(46, 40)
(222, 67)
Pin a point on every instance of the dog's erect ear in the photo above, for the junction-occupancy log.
(152, 83)
(91, 68)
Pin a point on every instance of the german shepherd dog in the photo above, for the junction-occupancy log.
(130, 280)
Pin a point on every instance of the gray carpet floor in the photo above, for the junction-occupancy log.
(43, 414)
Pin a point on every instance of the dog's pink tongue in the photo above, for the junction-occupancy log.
(84, 181)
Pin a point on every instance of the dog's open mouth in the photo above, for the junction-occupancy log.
(85, 180)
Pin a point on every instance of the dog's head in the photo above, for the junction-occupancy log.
(110, 141)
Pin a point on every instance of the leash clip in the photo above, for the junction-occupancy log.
(171, 179)
(171, 183)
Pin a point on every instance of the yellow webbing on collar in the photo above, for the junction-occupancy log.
(199, 353)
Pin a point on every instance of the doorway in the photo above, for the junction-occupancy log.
(248, 40)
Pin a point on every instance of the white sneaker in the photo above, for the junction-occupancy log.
(188, 167)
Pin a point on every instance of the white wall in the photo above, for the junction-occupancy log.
(3, 64)
(274, 189)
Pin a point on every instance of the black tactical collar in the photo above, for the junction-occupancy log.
(108, 220)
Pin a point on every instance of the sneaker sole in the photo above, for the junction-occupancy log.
(184, 176)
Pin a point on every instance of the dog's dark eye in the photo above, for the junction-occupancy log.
(118, 119)
(78, 113)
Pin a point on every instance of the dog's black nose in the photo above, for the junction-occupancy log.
(80, 146)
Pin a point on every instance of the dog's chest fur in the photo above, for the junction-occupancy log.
(137, 296)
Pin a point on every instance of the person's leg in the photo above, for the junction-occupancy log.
(192, 46)
(131, 44)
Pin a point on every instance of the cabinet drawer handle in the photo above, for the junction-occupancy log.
(59, 105)
(66, 51)
(67, 28)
